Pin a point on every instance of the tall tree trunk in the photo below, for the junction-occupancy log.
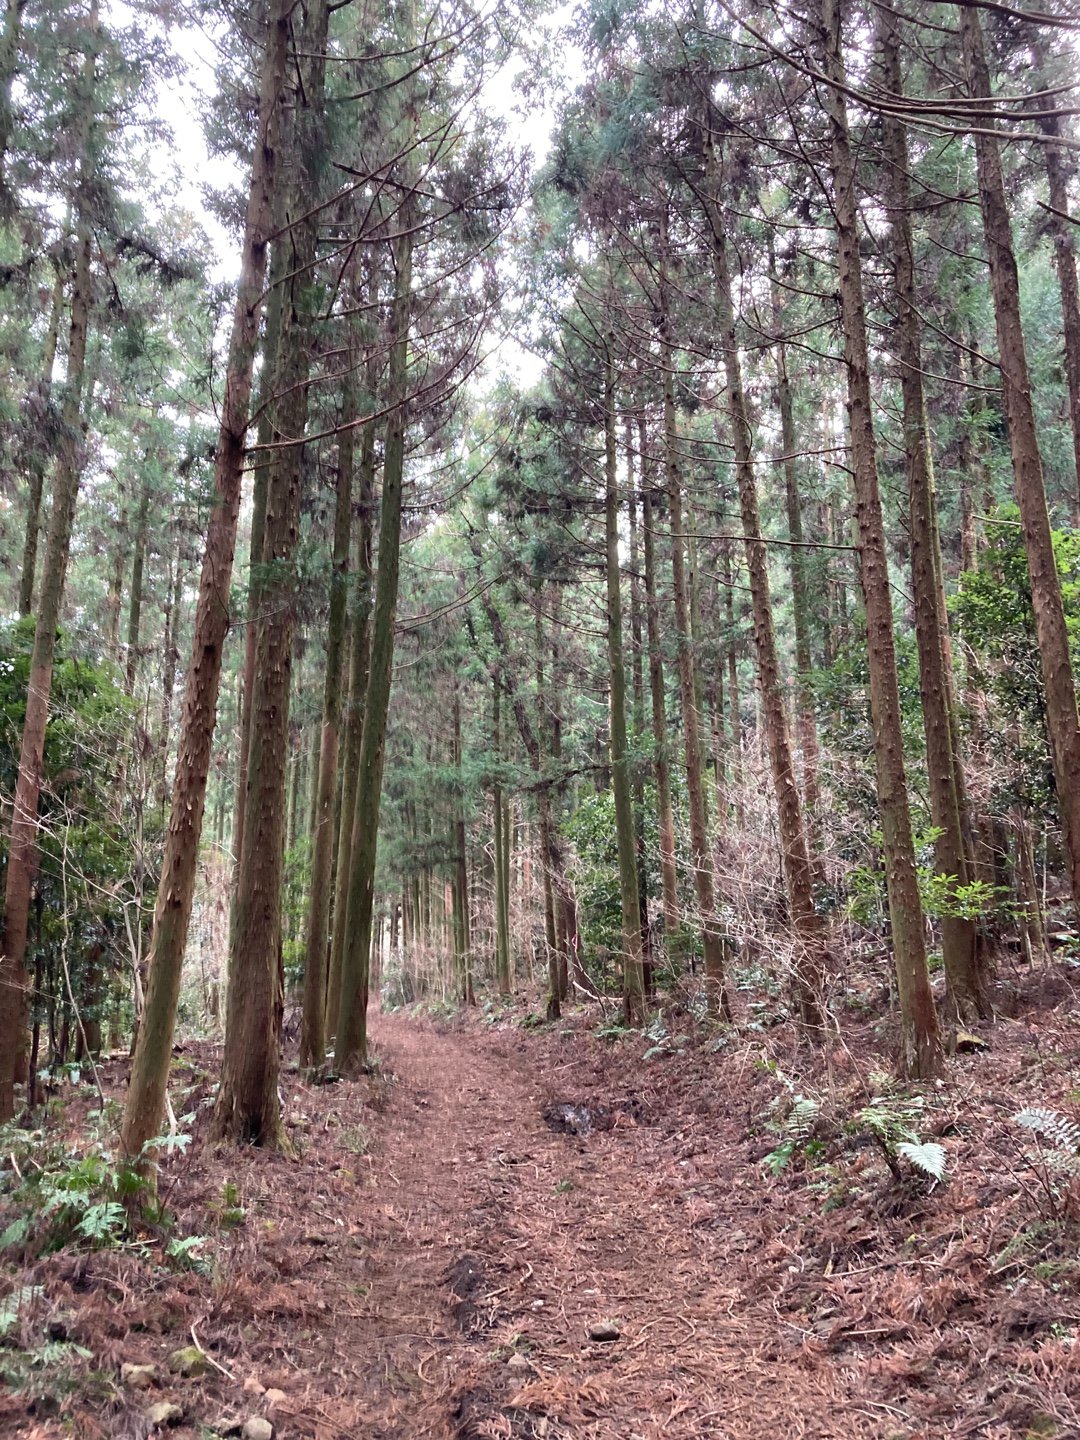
(920, 1042)
(150, 1071)
(359, 656)
(637, 674)
(34, 449)
(966, 991)
(798, 873)
(1061, 713)
(633, 983)
(313, 1032)
(800, 587)
(462, 936)
(713, 941)
(22, 857)
(550, 853)
(735, 737)
(661, 762)
(138, 564)
(9, 61)
(170, 658)
(247, 1107)
(275, 309)
(1060, 225)
(503, 967)
(351, 1048)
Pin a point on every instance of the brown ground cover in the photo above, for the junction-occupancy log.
(432, 1259)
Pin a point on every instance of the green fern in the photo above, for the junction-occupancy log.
(796, 1126)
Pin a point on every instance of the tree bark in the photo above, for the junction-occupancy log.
(359, 659)
(503, 966)
(1061, 713)
(313, 1031)
(247, 1107)
(1061, 228)
(633, 982)
(966, 991)
(637, 674)
(150, 1071)
(22, 856)
(920, 1042)
(661, 761)
(35, 449)
(138, 564)
(808, 925)
(800, 597)
(713, 941)
(351, 1048)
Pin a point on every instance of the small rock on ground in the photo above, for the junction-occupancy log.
(604, 1330)
(164, 1413)
(257, 1429)
(187, 1361)
(138, 1377)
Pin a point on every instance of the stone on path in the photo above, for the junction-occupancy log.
(164, 1413)
(138, 1377)
(604, 1330)
(188, 1361)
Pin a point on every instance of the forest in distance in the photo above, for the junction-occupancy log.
(539, 741)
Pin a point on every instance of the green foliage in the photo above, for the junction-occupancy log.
(890, 1120)
(941, 896)
(795, 1125)
(29, 1362)
(595, 869)
(185, 1252)
(64, 1196)
(993, 611)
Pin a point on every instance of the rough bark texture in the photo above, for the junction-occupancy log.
(1061, 713)
(37, 419)
(359, 657)
(966, 992)
(1062, 232)
(22, 856)
(665, 814)
(247, 1107)
(503, 964)
(806, 717)
(150, 1070)
(138, 564)
(313, 1031)
(713, 942)
(9, 60)
(920, 1043)
(808, 925)
(637, 674)
(632, 973)
(351, 1047)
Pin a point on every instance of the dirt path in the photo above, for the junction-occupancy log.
(490, 1245)
(431, 1259)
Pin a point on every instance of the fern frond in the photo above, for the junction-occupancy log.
(802, 1117)
(1062, 1133)
(929, 1157)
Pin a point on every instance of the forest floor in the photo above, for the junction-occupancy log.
(431, 1259)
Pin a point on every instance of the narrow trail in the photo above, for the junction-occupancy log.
(429, 1257)
(486, 1246)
